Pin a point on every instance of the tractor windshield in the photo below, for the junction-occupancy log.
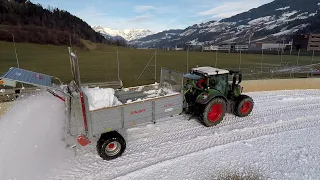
(194, 80)
(192, 76)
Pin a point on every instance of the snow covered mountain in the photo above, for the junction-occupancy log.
(268, 22)
(127, 34)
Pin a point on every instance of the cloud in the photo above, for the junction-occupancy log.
(90, 11)
(143, 8)
(229, 9)
(140, 19)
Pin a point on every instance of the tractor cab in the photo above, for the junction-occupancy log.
(208, 85)
(224, 81)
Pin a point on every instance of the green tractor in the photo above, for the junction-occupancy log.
(209, 95)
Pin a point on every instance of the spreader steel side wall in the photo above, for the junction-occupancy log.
(105, 120)
(168, 106)
(137, 113)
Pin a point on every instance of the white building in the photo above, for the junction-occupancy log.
(241, 47)
(273, 46)
(225, 47)
(211, 48)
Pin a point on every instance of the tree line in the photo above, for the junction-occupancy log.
(32, 23)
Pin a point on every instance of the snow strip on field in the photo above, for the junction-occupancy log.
(30, 137)
(279, 140)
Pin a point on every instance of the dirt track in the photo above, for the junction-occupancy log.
(280, 84)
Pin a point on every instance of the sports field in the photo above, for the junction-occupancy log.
(99, 63)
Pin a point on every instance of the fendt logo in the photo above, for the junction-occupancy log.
(138, 112)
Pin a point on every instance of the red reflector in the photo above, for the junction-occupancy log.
(83, 111)
(83, 141)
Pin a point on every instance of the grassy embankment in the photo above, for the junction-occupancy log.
(98, 61)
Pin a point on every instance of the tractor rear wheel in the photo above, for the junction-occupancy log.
(111, 145)
(243, 106)
(214, 112)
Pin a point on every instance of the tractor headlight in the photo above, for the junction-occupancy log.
(205, 96)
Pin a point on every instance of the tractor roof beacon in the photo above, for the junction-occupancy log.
(209, 94)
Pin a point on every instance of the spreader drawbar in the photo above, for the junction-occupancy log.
(15, 75)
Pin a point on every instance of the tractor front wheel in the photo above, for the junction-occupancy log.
(214, 112)
(243, 106)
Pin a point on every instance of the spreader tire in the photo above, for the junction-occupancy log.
(214, 112)
(111, 145)
(243, 106)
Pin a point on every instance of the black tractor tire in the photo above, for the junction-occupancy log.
(214, 112)
(111, 145)
(243, 106)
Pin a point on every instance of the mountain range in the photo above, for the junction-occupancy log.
(269, 22)
(126, 34)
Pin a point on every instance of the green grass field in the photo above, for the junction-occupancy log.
(98, 64)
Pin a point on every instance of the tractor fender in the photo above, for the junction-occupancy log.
(206, 97)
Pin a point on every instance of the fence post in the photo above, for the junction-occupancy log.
(155, 66)
(15, 50)
(281, 57)
(188, 59)
(261, 61)
(240, 61)
(312, 57)
(215, 65)
(298, 57)
(118, 63)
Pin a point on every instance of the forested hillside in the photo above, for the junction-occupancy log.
(32, 23)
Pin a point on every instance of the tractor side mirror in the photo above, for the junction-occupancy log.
(240, 78)
(234, 79)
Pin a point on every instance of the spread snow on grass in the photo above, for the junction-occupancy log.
(279, 140)
(30, 137)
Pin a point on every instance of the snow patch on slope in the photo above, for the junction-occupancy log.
(283, 8)
(188, 32)
(259, 20)
(290, 31)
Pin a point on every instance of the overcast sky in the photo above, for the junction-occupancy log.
(152, 15)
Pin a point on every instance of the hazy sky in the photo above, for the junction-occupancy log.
(152, 15)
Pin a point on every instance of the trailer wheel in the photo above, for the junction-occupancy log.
(214, 112)
(243, 106)
(111, 145)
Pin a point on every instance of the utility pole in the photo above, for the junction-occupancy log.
(298, 56)
(291, 46)
(261, 61)
(240, 60)
(15, 50)
(155, 66)
(312, 56)
(188, 58)
(118, 65)
(215, 65)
